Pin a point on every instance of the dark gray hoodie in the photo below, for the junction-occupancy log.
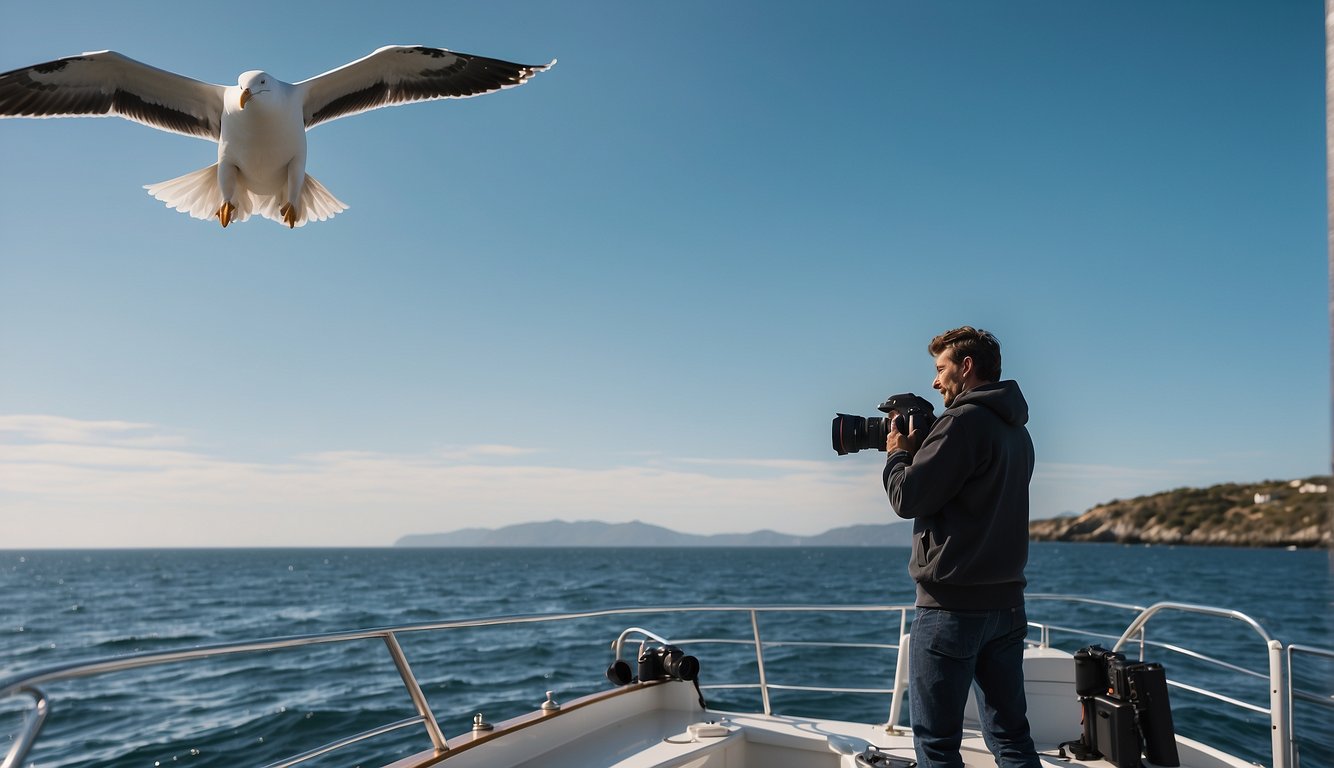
(966, 491)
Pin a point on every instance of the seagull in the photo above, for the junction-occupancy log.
(259, 124)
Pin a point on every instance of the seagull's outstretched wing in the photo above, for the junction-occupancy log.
(399, 74)
(107, 83)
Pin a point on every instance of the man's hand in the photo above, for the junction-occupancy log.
(897, 441)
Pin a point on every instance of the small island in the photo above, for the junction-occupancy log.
(1272, 513)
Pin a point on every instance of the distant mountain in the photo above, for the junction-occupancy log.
(1294, 513)
(557, 533)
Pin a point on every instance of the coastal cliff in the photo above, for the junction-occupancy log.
(1277, 513)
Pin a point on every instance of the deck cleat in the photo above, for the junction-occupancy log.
(480, 725)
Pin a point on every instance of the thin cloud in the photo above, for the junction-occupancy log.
(62, 429)
(85, 483)
(103, 483)
(782, 465)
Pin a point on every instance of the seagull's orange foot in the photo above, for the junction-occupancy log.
(225, 212)
(289, 215)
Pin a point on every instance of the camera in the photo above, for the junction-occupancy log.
(663, 663)
(1126, 711)
(856, 433)
(667, 662)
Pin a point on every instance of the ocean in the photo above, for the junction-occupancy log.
(60, 606)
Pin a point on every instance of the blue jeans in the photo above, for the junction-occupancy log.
(948, 651)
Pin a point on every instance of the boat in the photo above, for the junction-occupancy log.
(654, 710)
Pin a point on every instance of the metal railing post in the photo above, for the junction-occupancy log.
(32, 725)
(415, 691)
(900, 682)
(759, 659)
(1279, 713)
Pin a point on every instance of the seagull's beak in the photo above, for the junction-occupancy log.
(245, 96)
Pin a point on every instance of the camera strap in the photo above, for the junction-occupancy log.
(1078, 750)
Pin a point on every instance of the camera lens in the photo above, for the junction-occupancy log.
(678, 665)
(686, 668)
(619, 673)
(855, 433)
(847, 433)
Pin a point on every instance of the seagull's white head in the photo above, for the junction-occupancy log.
(253, 83)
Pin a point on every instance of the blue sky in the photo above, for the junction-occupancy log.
(639, 286)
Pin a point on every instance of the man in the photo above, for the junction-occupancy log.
(965, 487)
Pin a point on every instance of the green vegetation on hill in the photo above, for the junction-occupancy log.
(1272, 513)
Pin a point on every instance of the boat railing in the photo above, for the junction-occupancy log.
(1325, 701)
(32, 686)
(1278, 710)
(1278, 676)
(759, 644)
(1135, 632)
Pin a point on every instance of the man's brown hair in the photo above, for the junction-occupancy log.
(971, 342)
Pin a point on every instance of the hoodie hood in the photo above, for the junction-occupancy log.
(1002, 398)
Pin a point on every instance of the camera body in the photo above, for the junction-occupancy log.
(856, 433)
(1126, 709)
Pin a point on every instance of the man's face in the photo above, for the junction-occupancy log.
(949, 377)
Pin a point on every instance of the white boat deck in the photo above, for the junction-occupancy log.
(659, 726)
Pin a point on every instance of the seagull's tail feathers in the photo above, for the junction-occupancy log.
(197, 194)
(317, 204)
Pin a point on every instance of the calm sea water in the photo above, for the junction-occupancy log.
(62, 606)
